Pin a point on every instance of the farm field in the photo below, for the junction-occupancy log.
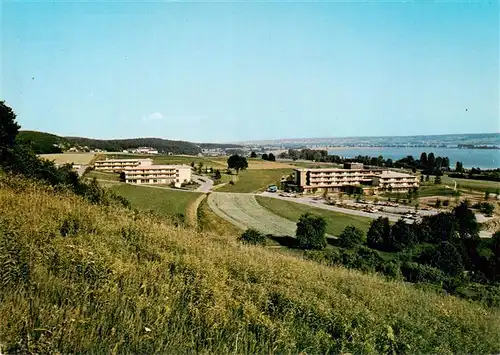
(159, 200)
(65, 158)
(478, 185)
(255, 180)
(244, 211)
(336, 222)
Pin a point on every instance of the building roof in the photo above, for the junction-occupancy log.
(157, 167)
(394, 174)
(335, 170)
(120, 160)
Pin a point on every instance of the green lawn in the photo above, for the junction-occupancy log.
(101, 175)
(255, 180)
(433, 190)
(336, 222)
(161, 201)
(478, 185)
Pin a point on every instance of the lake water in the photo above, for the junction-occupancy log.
(482, 158)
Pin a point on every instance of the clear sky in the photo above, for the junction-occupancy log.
(226, 72)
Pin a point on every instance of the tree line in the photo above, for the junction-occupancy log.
(429, 163)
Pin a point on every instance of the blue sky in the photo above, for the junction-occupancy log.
(251, 70)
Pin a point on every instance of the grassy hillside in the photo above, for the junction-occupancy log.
(336, 222)
(81, 278)
(41, 142)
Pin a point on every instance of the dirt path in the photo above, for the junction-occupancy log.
(192, 211)
(244, 211)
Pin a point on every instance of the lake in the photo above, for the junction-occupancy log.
(482, 158)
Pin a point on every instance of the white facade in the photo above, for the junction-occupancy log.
(117, 165)
(158, 174)
(309, 180)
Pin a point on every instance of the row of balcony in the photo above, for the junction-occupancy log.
(135, 176)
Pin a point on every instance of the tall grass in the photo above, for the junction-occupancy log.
(81, 278)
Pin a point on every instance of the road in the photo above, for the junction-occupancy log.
(206, 183)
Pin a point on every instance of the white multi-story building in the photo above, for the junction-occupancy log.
(373, 179)
(394, 181)
(158, 174)
(117, 165)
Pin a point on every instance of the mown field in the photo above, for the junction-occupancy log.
(469, 184)
(255, 180)
(336, 222)
(244, 211)
(64, 158)
(159, 200)
(78, 278)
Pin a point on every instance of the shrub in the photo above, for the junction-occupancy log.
(391, 269)
(252, 236)
(311, 231)
(350, 237)
(415, 272)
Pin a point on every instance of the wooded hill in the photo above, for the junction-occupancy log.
(45, 143)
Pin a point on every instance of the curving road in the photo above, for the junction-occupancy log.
(206, 183)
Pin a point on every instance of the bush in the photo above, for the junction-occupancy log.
(414, 272)
(444, 257)
(350, 237)
(252, 236)
(391, 269)
(311, 231)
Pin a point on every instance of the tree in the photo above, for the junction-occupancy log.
(467, 224)
(401, 236)
(311, 231)
(217, 175)
(486, 195)
(437, 180)
(265, 156)
(271, 157)
(350, 237)
(431, 160)
(378, 233)
(237, 162)
(8, 126)
(252, 236)
(423, 159)
(459, 167)
(253, 155)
